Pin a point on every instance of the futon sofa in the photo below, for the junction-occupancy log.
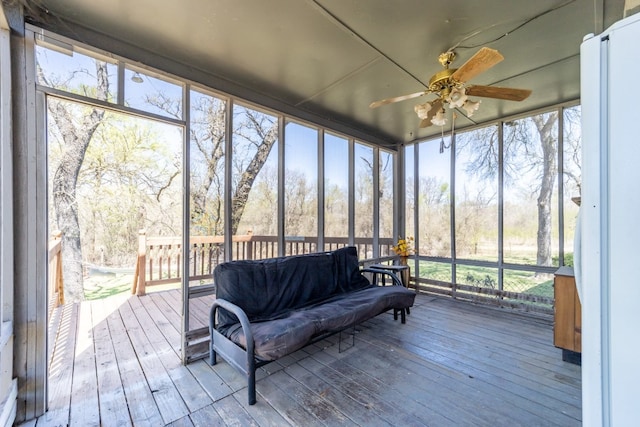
(267, 309)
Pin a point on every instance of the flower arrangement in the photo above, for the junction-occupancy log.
(404, 247)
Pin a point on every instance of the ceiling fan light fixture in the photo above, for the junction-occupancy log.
(449, 85)
(422, 110)
(470, 107)
(457, 97)
(439, 119)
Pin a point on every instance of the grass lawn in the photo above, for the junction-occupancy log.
(513, 280)
(98, 286)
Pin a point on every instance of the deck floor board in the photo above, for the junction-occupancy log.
(84, 409)
(452, 364)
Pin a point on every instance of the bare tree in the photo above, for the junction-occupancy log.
(261, 131)
(76, 133)
(530, 146)
(572, 145)
(257, 130)
(546, 124)
(208, 139)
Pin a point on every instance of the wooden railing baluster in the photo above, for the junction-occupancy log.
(205, 252)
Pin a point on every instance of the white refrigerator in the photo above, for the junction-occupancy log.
(609, 276)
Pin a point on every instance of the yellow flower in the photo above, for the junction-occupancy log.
(404, 246)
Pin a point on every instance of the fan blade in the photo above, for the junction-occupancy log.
(484, 59)
(510, 94)
(397, 99)
(436, 105)
(425, 123)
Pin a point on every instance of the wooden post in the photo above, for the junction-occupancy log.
(142, 260)
(59, 279)
(134, 285)
(250, 244)
(58, 283)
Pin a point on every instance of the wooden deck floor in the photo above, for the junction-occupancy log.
(116, 362)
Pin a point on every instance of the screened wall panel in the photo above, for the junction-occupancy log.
(301, 189)
(336, 191)
(363, 232)
(77, 73)
(153, 94)
(254, 189)
(385, 199)
(434, 201)
(572, 177)
(409, 192)
(476, 189)
(206, 184)
(530, 190)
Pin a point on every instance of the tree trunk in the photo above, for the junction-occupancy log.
(545, 125)
(76, 135)
(241, 194)
(212, 149)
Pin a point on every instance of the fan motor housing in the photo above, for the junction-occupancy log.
(442, 80)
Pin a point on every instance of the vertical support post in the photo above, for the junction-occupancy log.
(30, 234)
(375, 249)
(321, 193)
(352, 192)
(58, 280)
(452, 214)
(250, 244)
(142, 261)
(281, 177)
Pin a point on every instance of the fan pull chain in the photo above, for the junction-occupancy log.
(453, 129)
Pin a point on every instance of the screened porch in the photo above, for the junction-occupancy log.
(145, 155)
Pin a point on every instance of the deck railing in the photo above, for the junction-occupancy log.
(159, 258)
(56, 284)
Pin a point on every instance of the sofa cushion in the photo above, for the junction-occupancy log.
(278, 337)
(270, 288)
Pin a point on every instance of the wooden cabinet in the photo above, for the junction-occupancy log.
(567, 329)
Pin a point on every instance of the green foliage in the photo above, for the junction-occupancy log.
(513, 280)
(483, 282)
(568, 259)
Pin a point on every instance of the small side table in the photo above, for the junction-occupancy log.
(402, 271)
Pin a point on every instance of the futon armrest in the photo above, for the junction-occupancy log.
(240, 314)
(395, 280)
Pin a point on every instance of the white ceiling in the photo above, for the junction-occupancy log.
(329, 59)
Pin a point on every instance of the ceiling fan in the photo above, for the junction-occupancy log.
(451, 88)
